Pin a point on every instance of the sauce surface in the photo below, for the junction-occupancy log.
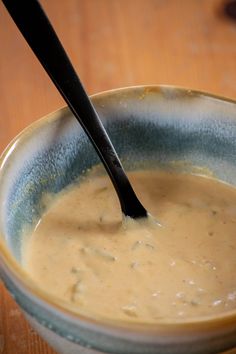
(139, 271)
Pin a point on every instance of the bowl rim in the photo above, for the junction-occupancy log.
(159, 87)
(22, 280)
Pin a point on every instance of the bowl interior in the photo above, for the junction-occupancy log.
(149, 126)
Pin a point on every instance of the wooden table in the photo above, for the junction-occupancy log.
(112, 43)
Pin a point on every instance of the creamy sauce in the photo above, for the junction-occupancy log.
(82, 253)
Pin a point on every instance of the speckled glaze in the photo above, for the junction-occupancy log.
(164, 125)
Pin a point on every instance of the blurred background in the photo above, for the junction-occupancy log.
(112, 43)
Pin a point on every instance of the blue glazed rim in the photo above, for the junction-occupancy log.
(18, 278)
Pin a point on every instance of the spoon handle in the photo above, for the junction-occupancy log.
(40, 35)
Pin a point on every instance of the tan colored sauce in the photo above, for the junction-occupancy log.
(138, 271)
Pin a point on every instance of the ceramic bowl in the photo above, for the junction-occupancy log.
(159, 124)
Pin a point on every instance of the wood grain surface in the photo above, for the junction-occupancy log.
(112, 43)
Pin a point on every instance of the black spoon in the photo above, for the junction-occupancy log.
(40, 35)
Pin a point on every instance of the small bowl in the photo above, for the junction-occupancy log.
(159, 124)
